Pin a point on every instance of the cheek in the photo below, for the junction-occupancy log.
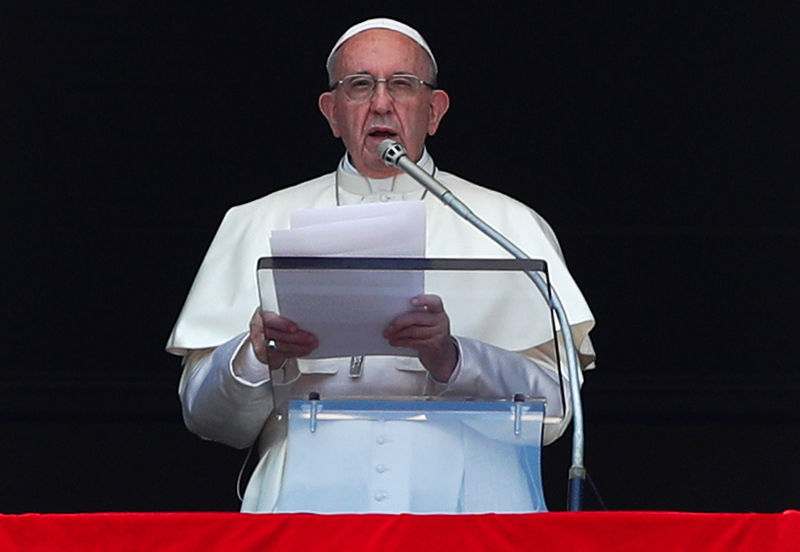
(417, 122)
(349, 123)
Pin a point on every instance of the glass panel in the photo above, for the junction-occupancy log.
(413, 456)
(493, 300)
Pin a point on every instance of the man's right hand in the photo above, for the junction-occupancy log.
(291, 341)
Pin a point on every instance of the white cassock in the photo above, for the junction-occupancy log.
(228, 395)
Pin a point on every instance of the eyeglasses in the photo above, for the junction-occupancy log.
(360, 88)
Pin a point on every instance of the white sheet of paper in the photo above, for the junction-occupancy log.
(323, 215)
(348, 309)
(387, 236)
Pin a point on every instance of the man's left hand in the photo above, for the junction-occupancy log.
(426, 329)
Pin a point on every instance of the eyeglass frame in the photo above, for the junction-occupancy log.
(377, 80)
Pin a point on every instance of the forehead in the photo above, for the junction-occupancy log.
(380, 52)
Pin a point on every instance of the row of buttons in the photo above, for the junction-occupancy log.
(380, 496)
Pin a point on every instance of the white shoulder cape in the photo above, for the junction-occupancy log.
(224, 294)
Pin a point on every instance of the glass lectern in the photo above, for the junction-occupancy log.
(421, 454)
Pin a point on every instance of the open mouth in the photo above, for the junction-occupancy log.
(382, 134)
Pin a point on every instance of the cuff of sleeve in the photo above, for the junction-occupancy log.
(246, 368)
(439, 386)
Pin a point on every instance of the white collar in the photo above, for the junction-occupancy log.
(387, 184)
(352, 187)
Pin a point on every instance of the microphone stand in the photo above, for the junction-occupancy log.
(394, 154)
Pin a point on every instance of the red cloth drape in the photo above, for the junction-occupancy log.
(551, 532)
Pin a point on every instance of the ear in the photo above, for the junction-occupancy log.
(327, 104)
(440, 103)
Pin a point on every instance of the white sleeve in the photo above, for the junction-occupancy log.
(226, 393)
(485, 371)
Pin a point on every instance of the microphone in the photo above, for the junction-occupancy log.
(393, 154)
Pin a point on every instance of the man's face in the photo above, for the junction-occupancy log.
(362, 126)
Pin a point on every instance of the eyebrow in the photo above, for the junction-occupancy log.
(371, 75)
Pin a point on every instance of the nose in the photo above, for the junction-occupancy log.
(381, 100)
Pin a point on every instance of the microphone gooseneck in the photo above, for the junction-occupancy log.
(393, 154)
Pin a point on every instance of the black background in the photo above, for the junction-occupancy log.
(660, 141)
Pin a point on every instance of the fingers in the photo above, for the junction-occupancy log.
(417, 327)
(429, 302)
(257, 338)
(289, 340)
(421, 328)
(426, 330)
(427, 319)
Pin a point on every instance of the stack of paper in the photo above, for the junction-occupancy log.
(348, 309)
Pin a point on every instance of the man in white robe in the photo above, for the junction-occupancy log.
(235, 388)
